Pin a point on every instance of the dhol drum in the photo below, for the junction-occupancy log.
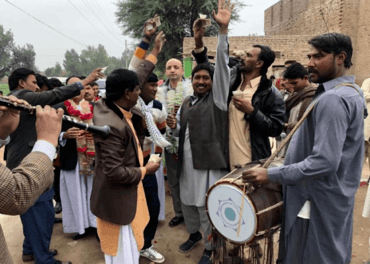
(244, 217)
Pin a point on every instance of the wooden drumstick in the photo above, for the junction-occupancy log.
(241, 211)
(289, 136)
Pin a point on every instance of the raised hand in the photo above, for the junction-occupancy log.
(95, 75)
(198, 33)
(150, 27)
(159, 40)
(223, 15)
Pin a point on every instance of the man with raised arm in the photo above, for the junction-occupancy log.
(256, 107)
(39, 219)
(118, 198)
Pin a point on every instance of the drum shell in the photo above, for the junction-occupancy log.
(263, 198)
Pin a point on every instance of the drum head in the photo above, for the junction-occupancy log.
(223, 204)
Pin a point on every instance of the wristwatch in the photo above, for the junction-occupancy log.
(4, 142)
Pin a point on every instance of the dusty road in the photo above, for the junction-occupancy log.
(87, 250)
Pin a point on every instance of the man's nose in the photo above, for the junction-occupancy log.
(310, 63)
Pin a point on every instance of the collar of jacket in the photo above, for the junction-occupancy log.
(118, 112)
(264, 86)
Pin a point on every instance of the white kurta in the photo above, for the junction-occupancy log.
(75, 197)
(195, 183)
(161, 193)
(127, 252)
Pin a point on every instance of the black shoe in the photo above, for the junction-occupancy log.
(78, 236)
(58, 208)
(62, 262)
(31, 257)
(176, 221)
(57, 220)
(191, 242)
(206, 258)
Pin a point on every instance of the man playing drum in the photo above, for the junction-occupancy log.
(323, 165)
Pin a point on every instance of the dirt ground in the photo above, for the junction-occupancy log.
(167, 240)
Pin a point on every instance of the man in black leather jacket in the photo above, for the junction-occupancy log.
(260, 105)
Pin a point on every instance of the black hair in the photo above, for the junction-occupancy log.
(94, 84)
(55, 82)
(43, 80)
(267, 56)
(290, 62)
(272, 77)
(202, 66)
(17, 75)
(294, 71)
(118, 81)
(72, 76)
(1, 92)
(152, 78)
(334, 43)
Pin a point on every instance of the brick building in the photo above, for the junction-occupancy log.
(289, 24)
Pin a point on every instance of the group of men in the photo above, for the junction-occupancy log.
(220, 119)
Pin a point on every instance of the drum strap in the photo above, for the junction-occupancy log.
(299, 123)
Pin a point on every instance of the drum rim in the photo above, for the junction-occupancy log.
(250, 202)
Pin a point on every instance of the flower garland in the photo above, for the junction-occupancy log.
(77, 113)
(85, 142)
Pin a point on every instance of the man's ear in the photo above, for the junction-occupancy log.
(341, 57)
(21, 83)
(127, 94)
(259, 64)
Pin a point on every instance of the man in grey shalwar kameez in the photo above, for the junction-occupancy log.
(323, 165)
(203, 149)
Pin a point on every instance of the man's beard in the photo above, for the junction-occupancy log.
(244, 68)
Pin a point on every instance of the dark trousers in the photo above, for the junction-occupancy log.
(295, 243)
(151, 194)
(38, 224)
(57, 184)
(173, 182)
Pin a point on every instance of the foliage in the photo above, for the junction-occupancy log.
(55, 71)
(12, 56)
(5, 88)
(177, 18)
(92, 58)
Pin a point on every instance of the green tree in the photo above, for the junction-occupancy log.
(72, 63)
(54, 71)
(177, 19)
(12, 56)
(92, 58)
(89, 59)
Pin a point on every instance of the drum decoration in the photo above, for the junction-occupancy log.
(242, 213)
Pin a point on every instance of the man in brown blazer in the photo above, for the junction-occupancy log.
(118, 198)
(22, 186)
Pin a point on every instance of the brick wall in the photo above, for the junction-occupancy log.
(287, 47)
(289, 24)
(314, 17)
(303, 17)
(361, 40)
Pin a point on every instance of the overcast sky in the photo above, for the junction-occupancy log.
(99, 26)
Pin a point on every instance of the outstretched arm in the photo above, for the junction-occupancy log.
(150, 29)
(221, 77)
